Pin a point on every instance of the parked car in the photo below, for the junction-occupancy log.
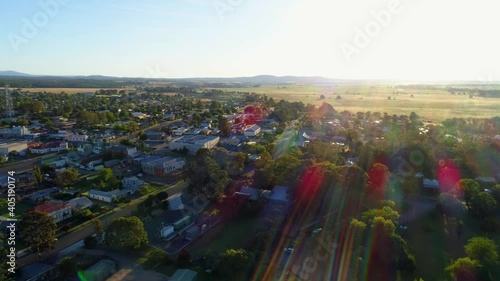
(289, 250)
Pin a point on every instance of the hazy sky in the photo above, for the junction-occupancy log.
(372, 39)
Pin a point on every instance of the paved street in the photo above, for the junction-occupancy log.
(74, 237)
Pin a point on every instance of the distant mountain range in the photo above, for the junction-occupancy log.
(6, 75)
(262, 79)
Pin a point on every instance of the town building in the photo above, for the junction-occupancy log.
(156, 165)
(252, 131)
(194, 143)
(18, 147)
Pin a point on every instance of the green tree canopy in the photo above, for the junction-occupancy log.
(126, 233)
(483, 205)
(464, 269)
(38, 231)
(482, 249)
(67, 178)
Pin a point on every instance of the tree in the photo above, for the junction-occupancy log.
(231, 263)
(3, 159)
(385, 212)
(464, 269)
(37, 174)
(322, 97)
(126, 142)
(468, 188)
(126, 233)
(98, 228)
(162, 196)
(90, 242)
(146, 189)
(224, 127)
(67, 267)
(67, 178)
(183, 259)
(206, 178)
(106, 180)
(378, 177)
(483, 205)
(38, 231)
(483, 250)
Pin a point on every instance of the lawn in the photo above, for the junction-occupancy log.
(433, 239)
(231, 236)
(20, 209)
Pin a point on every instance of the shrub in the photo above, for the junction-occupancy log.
(90, 242)
(490, 225)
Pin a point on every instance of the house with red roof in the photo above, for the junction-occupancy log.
(59, 211)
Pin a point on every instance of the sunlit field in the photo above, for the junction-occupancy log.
(432, 105)
(69, 90)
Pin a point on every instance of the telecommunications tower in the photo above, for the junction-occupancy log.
(9, 111)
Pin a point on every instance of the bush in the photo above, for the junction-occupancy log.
(490, 225)
(90, 242)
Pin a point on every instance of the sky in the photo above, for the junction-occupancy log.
(370, 39)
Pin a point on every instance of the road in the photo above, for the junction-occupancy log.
(73, 237)
(22, 166)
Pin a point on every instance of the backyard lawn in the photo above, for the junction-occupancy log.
(231, 236)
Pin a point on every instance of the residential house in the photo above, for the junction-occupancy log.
(139, 115)
(123, 151)
(249, 193)
(279, 194)
(184, 275)
(108, 196)
(99, 271)
(42, 195)
(55, 146)
(77, 138)
(179, 131)
(152, 135)
(169, 114)
(59, 211)
(430, 186)
(156, 165)
(80, 203)
(91, 162)
(133, 183)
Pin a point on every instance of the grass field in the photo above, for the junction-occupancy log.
(70, 90)
(432, 105)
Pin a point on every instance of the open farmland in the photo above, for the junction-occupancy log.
(69, 90)
(432, 105)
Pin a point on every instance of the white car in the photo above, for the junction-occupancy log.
(289, 250)
(317, 230)
(139, 175)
